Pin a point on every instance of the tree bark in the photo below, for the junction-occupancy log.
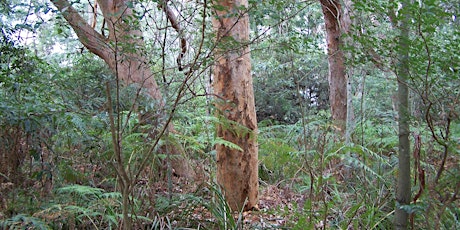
(121, 49)
(237, 171)
(334, 23)
(403, 190)
(345, 21)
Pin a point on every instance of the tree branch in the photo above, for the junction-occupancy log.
(175, 24)
(89, 37)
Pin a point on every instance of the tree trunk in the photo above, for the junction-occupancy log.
(123, 51)
(237, 171)
(345, 21)
(403, 190)
(349, 127)
(332, 11)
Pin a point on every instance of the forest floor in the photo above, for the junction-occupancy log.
(279, 205)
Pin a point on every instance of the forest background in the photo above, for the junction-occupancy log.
(72, 129)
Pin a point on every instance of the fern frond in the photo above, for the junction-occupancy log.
(345, 154)
(356, 163)
(192, 142)
(220, 141)
(78, 122)
(236, 128)
(22, 221)
(82, 190)
(111, 195)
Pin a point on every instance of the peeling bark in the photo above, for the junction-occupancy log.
(333, 13)
(119, 49)
(123, 51)
(237, 171)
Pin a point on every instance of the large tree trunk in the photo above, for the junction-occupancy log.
(123, 51)
(237, 171)
(332, 11)
(403, 190)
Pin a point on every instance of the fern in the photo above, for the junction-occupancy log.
(220, 141)
(234, 127)
(82, 191)
(192, 143)
(22, 221)
(111, 195)
(93, 205)
(88, 205)
(78, 123)
(345, 154)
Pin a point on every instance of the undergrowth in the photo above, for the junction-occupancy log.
(323, 183)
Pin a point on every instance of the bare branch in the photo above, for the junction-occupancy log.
(175, 24)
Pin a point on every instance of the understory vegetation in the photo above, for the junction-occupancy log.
(58, 163)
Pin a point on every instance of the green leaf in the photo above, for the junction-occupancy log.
(231, 145)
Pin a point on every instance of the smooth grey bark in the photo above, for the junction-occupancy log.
(403, 190)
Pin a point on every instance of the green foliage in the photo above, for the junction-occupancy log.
(22, 221)
(54, 120)
(26, 109)
(353, 193)
(89, 206)
(277, 153)
(221, 211)
(197, 134)
(289, 65)
(197, 130)
(75, 206)
(433, 63)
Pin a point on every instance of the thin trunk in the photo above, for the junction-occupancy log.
(362, 105)
(350, 114)
(403, 190)
(345, 21)
(237, 171)
(332, 11)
